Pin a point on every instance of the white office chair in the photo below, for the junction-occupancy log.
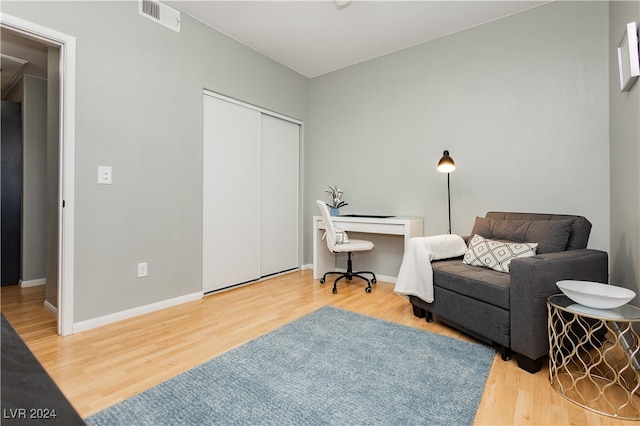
(347, 247)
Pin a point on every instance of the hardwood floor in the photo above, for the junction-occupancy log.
(100, 367)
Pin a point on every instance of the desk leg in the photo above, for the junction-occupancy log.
(412, 231)
(323, 260)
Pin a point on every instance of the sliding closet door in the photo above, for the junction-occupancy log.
(279, 195)
(231, 191)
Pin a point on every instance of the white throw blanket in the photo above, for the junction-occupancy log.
(416, 275)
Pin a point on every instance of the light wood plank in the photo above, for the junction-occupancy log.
(100, 367)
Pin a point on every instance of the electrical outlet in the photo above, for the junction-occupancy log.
(104, 175)
(142, 269)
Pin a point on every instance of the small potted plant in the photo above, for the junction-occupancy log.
(335, 195)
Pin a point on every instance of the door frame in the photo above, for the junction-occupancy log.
(66, 160)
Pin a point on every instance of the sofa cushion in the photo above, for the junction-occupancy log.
(494, 254)
(551, 235)
(581, 227)
(483, 227)
(478, 283)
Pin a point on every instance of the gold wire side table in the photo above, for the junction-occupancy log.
(594, 356)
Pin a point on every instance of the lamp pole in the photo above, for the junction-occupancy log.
(447, 165)
(449, 201)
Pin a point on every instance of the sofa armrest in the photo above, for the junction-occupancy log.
(533, 280)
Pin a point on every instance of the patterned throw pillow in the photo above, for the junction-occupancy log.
(496, 255)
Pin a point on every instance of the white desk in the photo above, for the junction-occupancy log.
(324, 260)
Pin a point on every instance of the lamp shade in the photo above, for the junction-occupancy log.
(446, 163)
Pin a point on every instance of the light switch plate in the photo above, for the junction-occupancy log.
(142, 269)
(104, 175)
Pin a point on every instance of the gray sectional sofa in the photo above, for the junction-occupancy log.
(509, 309)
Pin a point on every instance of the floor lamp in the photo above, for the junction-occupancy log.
(446, 165)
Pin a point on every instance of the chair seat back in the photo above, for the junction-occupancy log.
(330, 228)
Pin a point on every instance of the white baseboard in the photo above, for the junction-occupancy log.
(386, 278)
(130, 313)
(307, 266)
(33, 283)
(49, 307)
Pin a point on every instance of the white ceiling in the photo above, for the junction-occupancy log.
(316, 37)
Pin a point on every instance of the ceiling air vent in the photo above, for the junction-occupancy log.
(160, 13)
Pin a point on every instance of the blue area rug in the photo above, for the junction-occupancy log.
(331, 367)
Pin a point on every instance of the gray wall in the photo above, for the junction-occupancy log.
(31, 92)
(139, 110)
(625, 159)
(53, 153)
(34, 178)
(521, 103)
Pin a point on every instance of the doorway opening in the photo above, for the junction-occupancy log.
(61, 50)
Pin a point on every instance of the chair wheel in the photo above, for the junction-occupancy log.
(373, 281)
(321, 280)
(368, 289)
(334, 291)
